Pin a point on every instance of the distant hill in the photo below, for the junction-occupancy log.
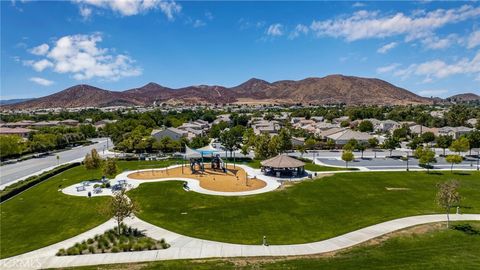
(467, 97)
(13, 101)
(333, 89)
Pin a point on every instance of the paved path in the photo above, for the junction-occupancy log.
(184, 247)
(14, 172)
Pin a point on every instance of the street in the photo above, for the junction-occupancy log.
(12, 172)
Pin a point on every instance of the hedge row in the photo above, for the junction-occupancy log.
(23, 185)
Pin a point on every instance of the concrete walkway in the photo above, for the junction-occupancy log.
(184, 247)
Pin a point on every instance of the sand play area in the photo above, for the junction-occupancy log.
(235, 180)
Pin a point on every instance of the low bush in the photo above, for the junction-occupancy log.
(130, 239)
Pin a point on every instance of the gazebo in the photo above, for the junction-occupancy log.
(283, 166)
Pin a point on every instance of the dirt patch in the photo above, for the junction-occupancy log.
(234, 180)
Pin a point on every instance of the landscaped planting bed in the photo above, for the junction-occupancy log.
(111, 241)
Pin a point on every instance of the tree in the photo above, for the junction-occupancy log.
(88, 131)
(453, 159)
(473, 138)
(10, 145)
(96, 159)
(425, 156)
(285, 140)
(414, 143)
(361, 147)
(347, 156)
(460, 145)
(231, 139)
(448, 196)
(365, 126)
(351, 145)
(43, 142)
(310, 143)
(245, 149)
(273, 146)
(330, 145)
(391, 143)
(427, 137)
(120, 207)
(444, 141)
(302, 149)
(110, 168)
(261, 146)
(373, 144)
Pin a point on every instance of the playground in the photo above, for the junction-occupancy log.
(227, 179)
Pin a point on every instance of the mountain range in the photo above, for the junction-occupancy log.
(332, 89)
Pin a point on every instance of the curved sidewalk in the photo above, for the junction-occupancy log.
(184, 247)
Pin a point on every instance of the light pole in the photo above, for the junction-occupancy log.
(407, 162)
(478, 159)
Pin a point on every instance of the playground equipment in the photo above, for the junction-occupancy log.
(196, 165)
(218, 164)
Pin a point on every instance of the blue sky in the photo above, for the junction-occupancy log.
(430, 48)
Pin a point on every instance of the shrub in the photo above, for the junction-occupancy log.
(61, 252)
(90, 241)
(115, 249)
(91, 249)
(73, 251)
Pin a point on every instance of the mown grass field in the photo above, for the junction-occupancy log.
(305, 212)
(436, 250)
(43, 215)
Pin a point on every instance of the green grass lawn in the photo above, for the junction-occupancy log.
(306, 212)
(441, 249)
(255, 163)
(42, 215)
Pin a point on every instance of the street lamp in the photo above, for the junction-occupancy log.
(407, 162)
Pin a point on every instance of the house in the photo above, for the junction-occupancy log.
(296, 141)
(20, 124)
(455, 132)
(45, 124)
(69, 122)
(103, 123)
(472, 121)
(419, 130)
(325, 133)
(22, 132)
(171, 132)
(264, 126)
(222, 118)
(386, 126)
(342, 137)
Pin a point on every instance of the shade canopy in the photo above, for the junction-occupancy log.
(204, 151)
(282, 161)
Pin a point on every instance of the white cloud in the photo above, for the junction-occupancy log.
(133, 7)
(80, 56)
(387, 47)
(387, 69)
(440, 69)
(198, 23)
(433, 93)
(275, 30)
(358, 4)
(435, 43)
(473, 40)
(368, 24)
(41, 81)
(40, 50)
(300, 29)
(85, 12)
